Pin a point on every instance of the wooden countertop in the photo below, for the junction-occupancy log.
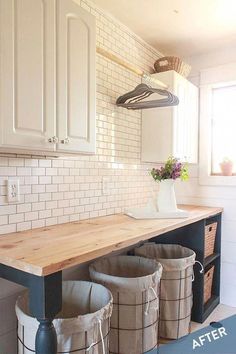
(47, 250)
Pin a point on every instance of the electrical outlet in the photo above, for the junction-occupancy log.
(105, 186)
(13, 190)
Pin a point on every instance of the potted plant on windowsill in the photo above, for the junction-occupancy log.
(226, 167)
(166, 176)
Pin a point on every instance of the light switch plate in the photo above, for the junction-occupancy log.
(13, 190)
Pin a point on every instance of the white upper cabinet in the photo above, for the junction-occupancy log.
(76, 78)
(27, 74)
(47, 87)
(172, 131)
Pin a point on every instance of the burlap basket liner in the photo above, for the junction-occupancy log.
(85, 306)
(134, 283)
(176, 286)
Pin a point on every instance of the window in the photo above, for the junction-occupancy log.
(223, 127)
(217, 125)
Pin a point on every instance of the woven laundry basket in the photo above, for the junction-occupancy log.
(176, 286)
(82, 326)
(134, 283)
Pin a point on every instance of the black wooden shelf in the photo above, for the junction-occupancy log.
(208, 260)
(193, 237)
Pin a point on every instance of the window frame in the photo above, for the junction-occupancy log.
(209, 80)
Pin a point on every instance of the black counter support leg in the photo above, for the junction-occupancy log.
(45, 303)
(46, 338)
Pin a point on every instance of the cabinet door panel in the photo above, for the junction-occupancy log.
(27, 73)
(186, 122)
(157, 128)
(76, 78)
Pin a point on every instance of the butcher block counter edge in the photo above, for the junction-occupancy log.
(47, 250)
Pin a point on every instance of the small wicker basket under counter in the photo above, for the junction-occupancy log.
(210, 237)
(208, 282)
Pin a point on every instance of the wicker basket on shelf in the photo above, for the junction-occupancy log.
(208, 281)
(210, 237)
(172, 63)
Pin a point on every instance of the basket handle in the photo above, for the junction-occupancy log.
(102, 339)
(163, 62)
(201, 270)
(148, 303)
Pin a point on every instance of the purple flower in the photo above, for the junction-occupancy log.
(172, 169)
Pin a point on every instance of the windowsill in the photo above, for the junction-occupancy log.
(220, 174)
(217, 180)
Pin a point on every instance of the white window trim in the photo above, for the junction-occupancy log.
(210, 79)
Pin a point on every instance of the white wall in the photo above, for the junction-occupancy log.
(211, 59)
(225, 196)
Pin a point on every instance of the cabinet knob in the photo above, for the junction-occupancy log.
(65, 141)
(53, 140)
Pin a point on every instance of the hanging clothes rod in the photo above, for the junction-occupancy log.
(130, 67)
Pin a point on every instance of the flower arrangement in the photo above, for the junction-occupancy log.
(172, 169)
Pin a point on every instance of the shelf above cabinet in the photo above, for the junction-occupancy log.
(208, 260)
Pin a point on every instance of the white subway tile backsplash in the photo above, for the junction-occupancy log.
(33, 215)
(23, 171)
(58, 212)
(4, 161)
(24, 208)
(7, 209)
(38, 188)
(24, 226)
(31, 162)
(45, 163)
(43, 214)
(37, 171)
(7, 171)
(31, 198)
(38, 206)
(3, 220)
(51, 205)
(32, 180)
(53, 221)
(45, 196)
(16, 162)
(51, 171)
(16, 218)
(45, 180)
(38, 223)
(5, 229)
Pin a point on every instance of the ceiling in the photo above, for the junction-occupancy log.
(178, 27)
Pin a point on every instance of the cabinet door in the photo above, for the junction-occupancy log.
(185, 121)
(27, 74)
(76, 57)
(157, 132)
(172, 131)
